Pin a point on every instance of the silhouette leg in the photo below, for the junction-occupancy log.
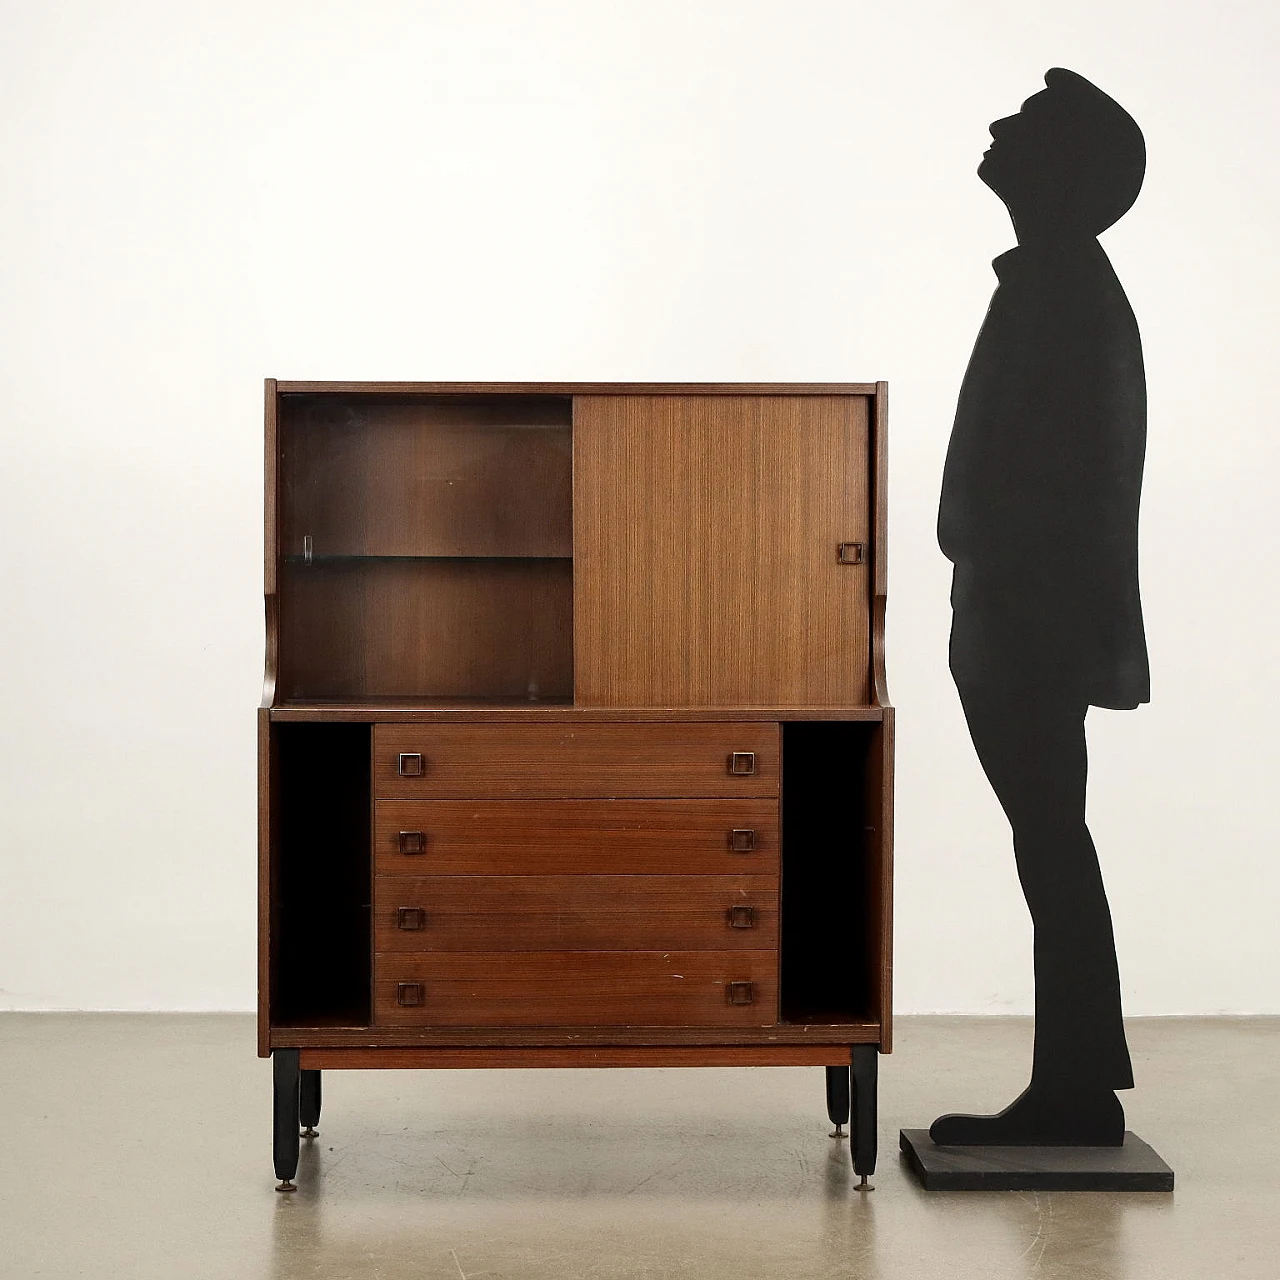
(1032, 749)
(1079, 1027)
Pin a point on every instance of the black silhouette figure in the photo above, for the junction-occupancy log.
(1039, 514)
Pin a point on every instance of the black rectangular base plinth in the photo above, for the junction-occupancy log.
(1132, 1167)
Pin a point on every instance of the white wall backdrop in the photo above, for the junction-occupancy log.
(196, 196)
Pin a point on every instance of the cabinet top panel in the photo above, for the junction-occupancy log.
(579, 388)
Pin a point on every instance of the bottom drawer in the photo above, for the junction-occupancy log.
(577, 988)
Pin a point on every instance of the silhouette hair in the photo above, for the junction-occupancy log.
(1079, 164)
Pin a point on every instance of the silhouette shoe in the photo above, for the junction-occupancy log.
(1040, 1118)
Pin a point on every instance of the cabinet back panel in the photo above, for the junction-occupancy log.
(426, 477)
(320, 876)
(453, 628)
(705, 543)
(829, 960)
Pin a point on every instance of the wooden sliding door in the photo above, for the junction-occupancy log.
(707, 569)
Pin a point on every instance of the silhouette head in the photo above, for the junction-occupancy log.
(1069, 164)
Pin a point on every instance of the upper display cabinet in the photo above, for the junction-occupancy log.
(599, 546)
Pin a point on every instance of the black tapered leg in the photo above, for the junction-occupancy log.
(284, 1068)
(865, 1071)
(838, 1098)
(309, 1102)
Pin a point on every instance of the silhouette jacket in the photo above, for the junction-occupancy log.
(1039, 506)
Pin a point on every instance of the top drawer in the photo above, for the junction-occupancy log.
(463, 761)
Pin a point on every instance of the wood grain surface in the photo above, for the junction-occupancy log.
(598, 760)
(410, 1059)
(564, 837)
(577, 988)
(344, 1035)
(574, 913)
(705, 536)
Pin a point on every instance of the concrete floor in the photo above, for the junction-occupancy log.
(138, 1146)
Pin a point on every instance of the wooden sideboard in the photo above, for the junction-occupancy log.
(575, 747)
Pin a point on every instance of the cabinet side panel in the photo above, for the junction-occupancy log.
(880, 537)
(879, 834)
(266, 843)
(705, 550)
(271, 484)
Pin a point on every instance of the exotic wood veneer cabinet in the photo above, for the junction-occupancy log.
(575, 746)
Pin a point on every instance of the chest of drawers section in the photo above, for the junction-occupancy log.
(592, 875)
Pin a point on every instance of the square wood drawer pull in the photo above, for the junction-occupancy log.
(742, 917)
(410, 917)
(411, 842)
(411, 764)
(740, 993)
(742, 762)
(742, 840)
(408, 994)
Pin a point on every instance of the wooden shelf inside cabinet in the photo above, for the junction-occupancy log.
(576, 747)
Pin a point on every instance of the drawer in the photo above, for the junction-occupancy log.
(564, 837)
(577, 988)
(575, 912)
(608, 760)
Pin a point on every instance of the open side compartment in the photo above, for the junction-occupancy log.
(828, 944)
(320, 873)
